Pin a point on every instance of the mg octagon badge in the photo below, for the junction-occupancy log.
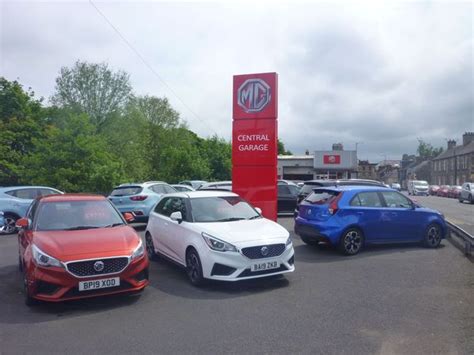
(255, 96)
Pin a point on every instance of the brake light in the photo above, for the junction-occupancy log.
(139, 198)
(333, 207)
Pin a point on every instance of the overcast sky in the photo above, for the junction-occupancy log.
(379, 73)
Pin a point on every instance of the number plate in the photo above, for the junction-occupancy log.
(96, 284)
(265, 266)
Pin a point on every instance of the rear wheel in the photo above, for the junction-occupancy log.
(470, 199)
(150, 247)
(194, 268)
(432, 236)
(351, 241)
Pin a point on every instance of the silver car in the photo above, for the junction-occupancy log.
(467, 192)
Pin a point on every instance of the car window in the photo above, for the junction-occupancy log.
(163, 206)
(178, 205)
(396, 200)
(283, 190)
(221, 209)
(366, 199)
(32, 210)
(159, 189)
(46, 192)
(27, 194)
(308, 188)
(126, 191)
(169, 189)
(293, 190)
(320, 197)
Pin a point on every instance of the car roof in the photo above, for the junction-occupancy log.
(202, 193)
(333, 182)
(12, 188)
(354, 188)
(71, 197)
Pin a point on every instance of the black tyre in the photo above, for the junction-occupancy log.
(150, 247)
(351, 242)
(433, 236)
(309, 241)
(8, 226)
(194, 268)
(470, 199)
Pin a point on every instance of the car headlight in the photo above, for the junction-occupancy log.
(288, 241)
(139, 251)
(43, 259)
(217, 244)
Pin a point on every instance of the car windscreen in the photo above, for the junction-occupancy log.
(126, 190)
(76, 215)
(321, 197)
(420, 183)
(221, 209)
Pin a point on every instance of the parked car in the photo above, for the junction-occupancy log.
(350, 217)
(14, 202)
(217, 185)
(417, 187)
(182, 188)
(443, 191)
(139, 199)
(467, 192)
(454, 191)
(287, 195)
(2, 221)
(195, 184)
(396, 186)
(433, 190)
(312, 184)
(77, 246)
(217, 235)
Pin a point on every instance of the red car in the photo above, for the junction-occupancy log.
(77, 246)
(433, 190)
(443, 191)
(454, 191)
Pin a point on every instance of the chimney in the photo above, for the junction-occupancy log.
(451, 144)
(337, 146)
(306, 152)
(467, 138)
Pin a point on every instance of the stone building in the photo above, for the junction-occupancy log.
(367, 170)
(455, 165)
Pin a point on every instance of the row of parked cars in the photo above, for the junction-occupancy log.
(462, 193)
(75, 245)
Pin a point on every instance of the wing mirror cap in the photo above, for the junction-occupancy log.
(258, 209)
(22, 223)
(128, 217)
(177, 216)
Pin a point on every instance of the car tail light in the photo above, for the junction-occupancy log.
(139, 198)
(333, 207)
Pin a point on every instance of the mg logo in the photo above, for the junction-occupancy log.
(253, 95)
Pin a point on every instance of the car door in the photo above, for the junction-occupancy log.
(179, 232)
(25, 234)
(466, 189)
(158, 225)
(402, 221)
(367, 206)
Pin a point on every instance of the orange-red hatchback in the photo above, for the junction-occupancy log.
(75, 246)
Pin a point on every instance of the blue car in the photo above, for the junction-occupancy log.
(350, 217)
(15, 201)
(139, 199)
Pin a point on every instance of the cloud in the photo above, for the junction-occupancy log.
(383, 74)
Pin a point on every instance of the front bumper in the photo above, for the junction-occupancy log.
(234, 266)
(55, 284)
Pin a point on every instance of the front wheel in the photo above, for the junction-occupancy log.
(194, 268)
(351, 241)
(150, 247)
(432, 236)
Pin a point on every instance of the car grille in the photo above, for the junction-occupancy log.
(86, 268)
(256, 252)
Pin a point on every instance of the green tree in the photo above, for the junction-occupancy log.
(93, 89)
(73, 159)
(426, 150)
(218, 154)
(282, 150)
(20, 123)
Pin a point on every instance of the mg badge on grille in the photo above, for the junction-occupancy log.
(264, 251)
(99, 266)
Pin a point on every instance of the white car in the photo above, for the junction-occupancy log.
(219, 236)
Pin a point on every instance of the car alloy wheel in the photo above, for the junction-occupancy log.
(352, 241)
(433, 236)
(8, 226)
(193, 268)
(150, 247)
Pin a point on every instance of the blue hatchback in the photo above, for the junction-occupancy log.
(350, 217)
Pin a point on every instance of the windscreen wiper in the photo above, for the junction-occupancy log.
(255, 217)
(113, 225)
(230, 219)
(81, 228)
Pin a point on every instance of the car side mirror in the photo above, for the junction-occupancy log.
(177, 216)
(23, 223)
(258, 209)
(128, 217)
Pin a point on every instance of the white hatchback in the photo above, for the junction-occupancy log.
(217, 235)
